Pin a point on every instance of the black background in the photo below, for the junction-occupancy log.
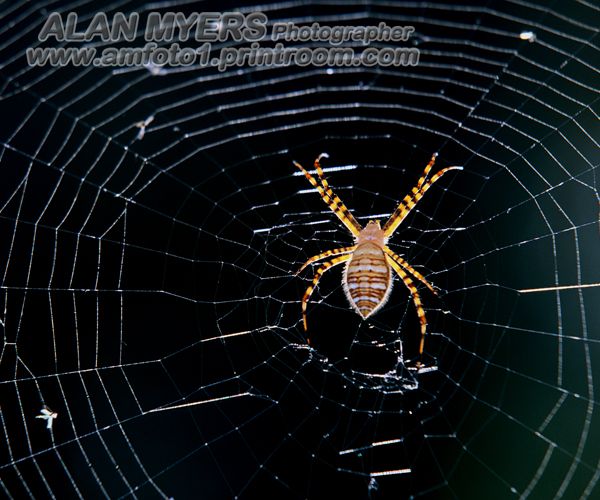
(127, 265)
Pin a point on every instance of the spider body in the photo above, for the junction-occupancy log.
(368, 276)
(369, 262)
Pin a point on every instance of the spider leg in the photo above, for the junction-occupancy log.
(402, 210)
(411, 199)
(324, 267)
(329, 197)
(426, 171)
(399, 260)
(415, 297)
(328, 253)
(321, 174)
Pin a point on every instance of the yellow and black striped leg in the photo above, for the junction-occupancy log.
(403, 207)
(324, 267)
(320, 172)
(399, 260)
(426, 171)
(329, 197)
(416, 299)
(411, 199)
(323, 255)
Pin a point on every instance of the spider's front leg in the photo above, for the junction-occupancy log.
(414, 196)
(330, 198)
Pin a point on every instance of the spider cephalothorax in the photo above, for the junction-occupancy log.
(368, 275)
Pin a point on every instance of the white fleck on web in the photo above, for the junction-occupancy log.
(151, 222)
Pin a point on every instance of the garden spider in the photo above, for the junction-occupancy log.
(368, 276)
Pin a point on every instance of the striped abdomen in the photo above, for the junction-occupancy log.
(368, 279)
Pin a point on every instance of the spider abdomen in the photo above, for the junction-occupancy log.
(368, 279)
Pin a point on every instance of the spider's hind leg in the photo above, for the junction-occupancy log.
(324, 267)
(416, 300)
(400, 261)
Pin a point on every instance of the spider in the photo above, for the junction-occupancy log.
(367, 279)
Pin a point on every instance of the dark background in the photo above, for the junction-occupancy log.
(125, 266)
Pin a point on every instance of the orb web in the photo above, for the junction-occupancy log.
(148, 296)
